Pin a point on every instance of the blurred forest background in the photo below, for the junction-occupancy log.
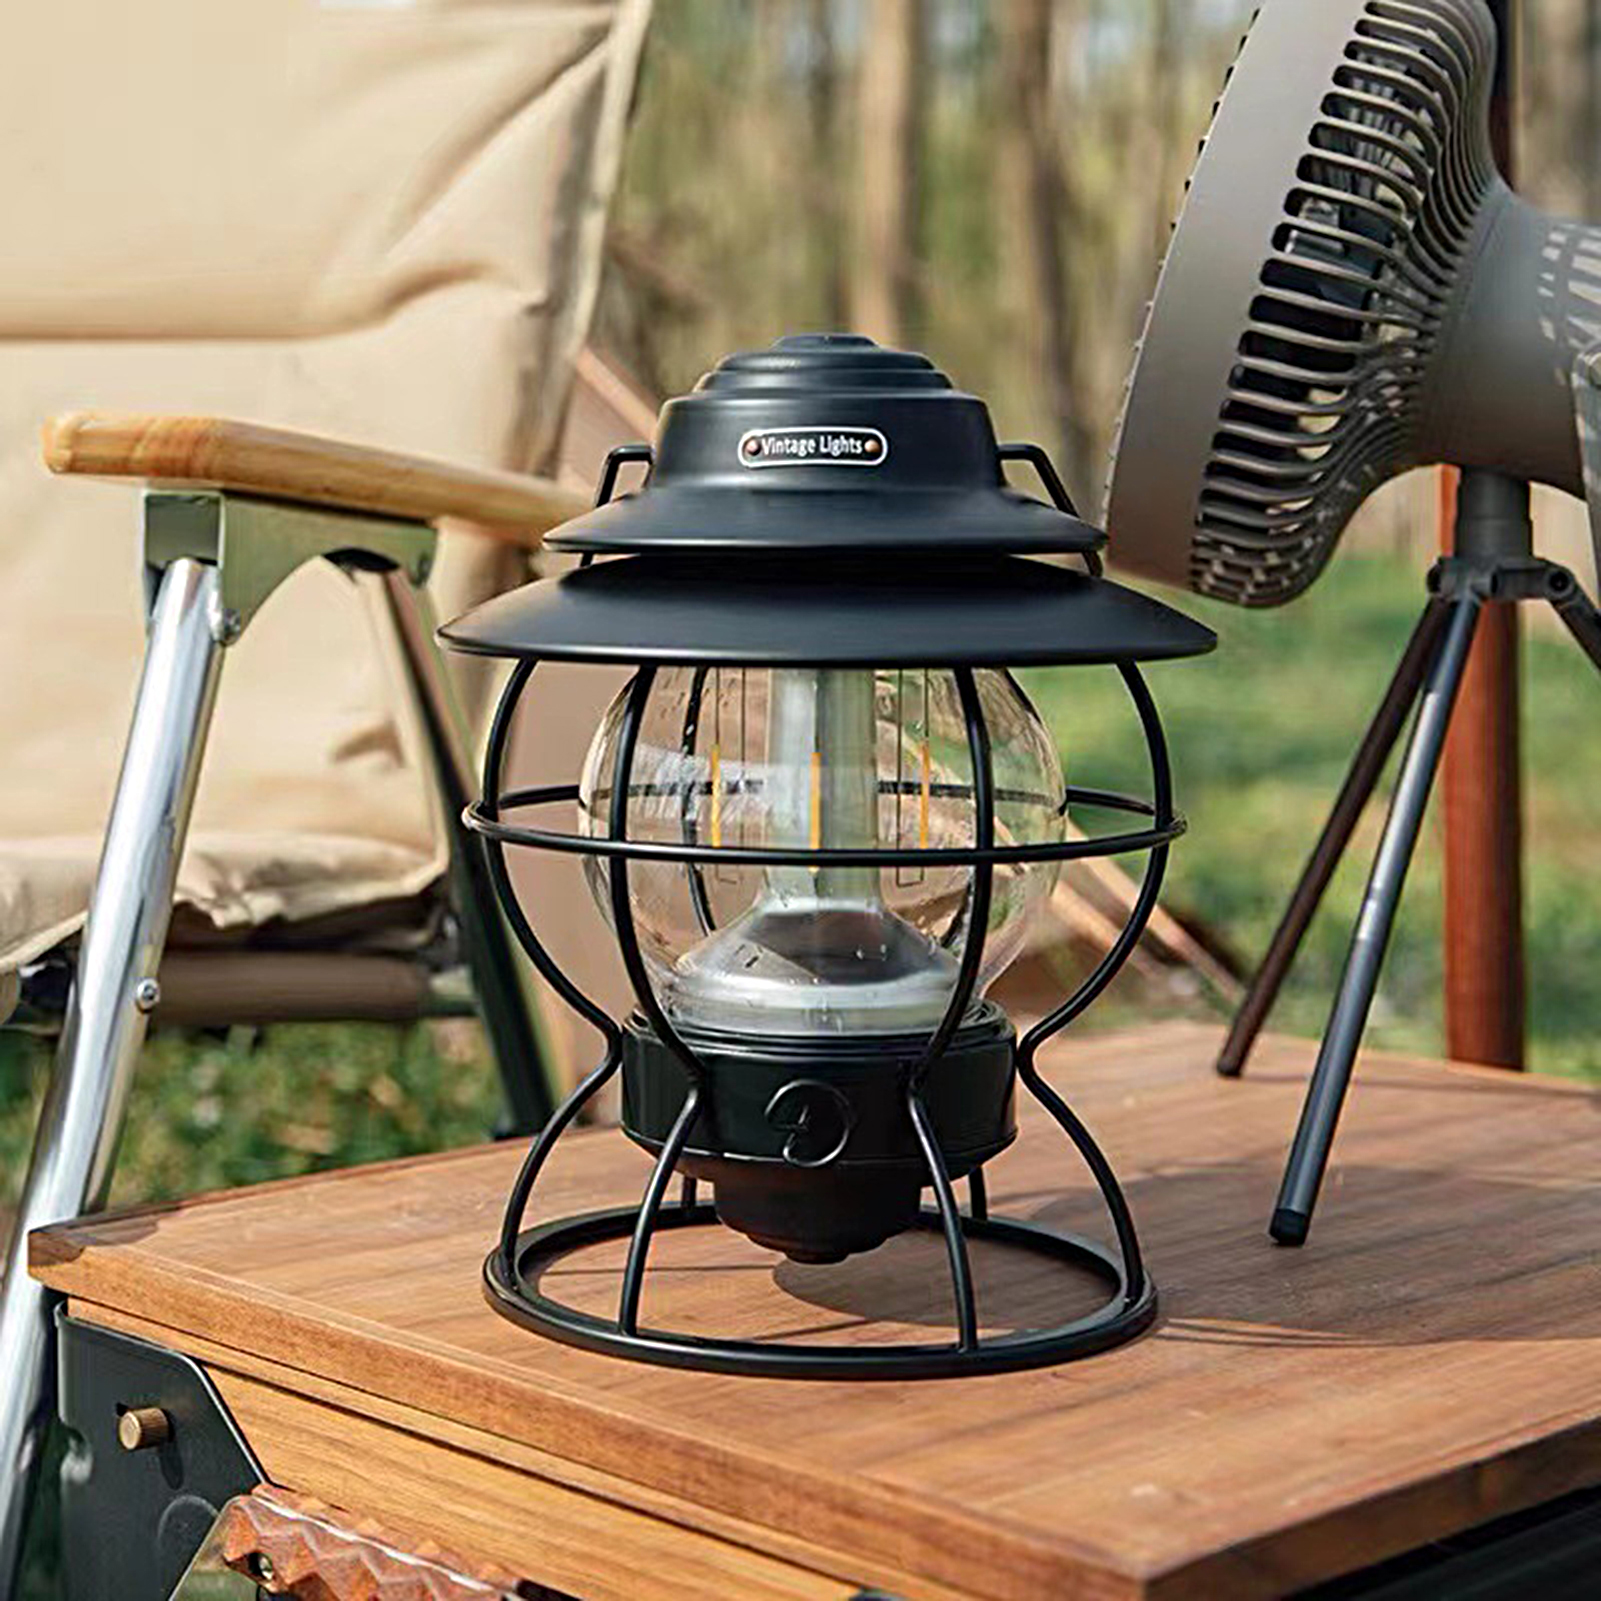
(991, 181)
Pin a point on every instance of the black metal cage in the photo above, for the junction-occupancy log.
(705, 570)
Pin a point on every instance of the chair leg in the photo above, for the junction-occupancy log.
(111, 998)
(502, 984)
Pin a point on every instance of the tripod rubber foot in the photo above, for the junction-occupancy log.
(1228, 1067)
(1289, 1227)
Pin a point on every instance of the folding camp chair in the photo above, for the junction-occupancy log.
(379, 221)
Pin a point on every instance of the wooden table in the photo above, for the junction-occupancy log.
(1432, 1360)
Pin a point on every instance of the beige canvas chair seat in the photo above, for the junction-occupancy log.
(389, 232)
(234, 881)
(374, 220)
(314, 796)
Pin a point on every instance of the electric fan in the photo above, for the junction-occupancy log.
(1353, 290)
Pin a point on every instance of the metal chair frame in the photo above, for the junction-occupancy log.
(212, 559)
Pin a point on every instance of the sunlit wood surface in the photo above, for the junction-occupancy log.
(1431, 1360)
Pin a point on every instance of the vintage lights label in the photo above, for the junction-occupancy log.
(813, 447)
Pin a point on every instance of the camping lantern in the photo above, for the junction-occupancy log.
(819, 819)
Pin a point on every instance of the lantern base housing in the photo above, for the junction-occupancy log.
(807, 1142)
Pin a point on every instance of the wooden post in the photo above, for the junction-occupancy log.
(1482, 782)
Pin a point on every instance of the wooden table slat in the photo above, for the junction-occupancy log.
(1428, 1362)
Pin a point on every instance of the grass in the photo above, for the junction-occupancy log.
(212, 1112)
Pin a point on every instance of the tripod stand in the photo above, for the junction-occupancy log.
(1493, 560)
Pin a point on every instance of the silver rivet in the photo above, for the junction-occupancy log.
(147, 995)
(227, 626)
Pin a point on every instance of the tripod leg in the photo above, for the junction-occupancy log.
(1310, 1154)
(1354, 795)
(1579, 612)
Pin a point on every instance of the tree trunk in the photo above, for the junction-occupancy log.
(1036, 214)
(822, 98)
(1481, 782)
(884, 285)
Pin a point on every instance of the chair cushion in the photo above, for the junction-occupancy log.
(380, 222)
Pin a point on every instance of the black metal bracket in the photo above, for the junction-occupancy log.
(1522, 578)
(1506, 578)
(133, 1515)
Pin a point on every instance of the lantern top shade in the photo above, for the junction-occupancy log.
(826, 442)
(996, 611)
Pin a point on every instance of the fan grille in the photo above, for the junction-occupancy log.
(1324, 399)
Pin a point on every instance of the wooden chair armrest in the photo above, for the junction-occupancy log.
(216, 453)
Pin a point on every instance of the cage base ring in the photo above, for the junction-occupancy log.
(1119, 1320)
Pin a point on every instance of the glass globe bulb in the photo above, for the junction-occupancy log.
(804, 758)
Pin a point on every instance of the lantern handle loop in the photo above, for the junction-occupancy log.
(618, 457)
(1037, 458)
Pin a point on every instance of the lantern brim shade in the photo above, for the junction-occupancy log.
(1001, 612)
(803, 518)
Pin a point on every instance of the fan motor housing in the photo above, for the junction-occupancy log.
(1352, 290)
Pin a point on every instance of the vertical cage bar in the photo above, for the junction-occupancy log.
(950, 1222)
(639, 976)
(689, 824)
(978, 1204)
(500, 878)
(983, 879)
(978, 743)
(1150, 888)
(1028, 1049)
(649, 1208)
